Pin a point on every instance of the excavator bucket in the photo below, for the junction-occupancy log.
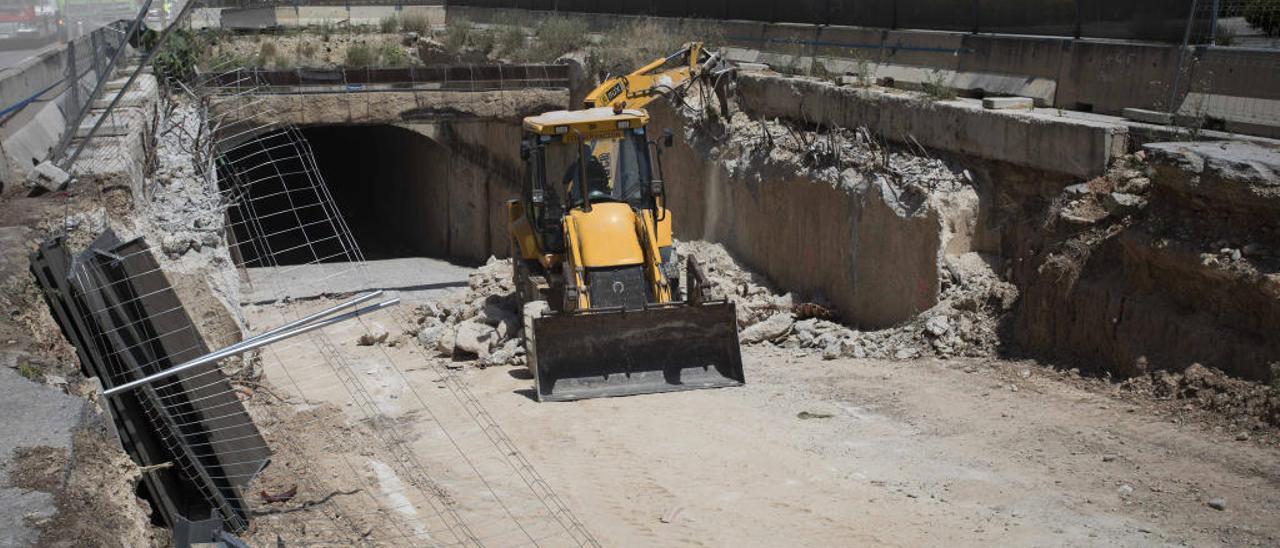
(622, 353)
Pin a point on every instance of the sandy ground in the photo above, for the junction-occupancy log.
(810, 452)
(913, 453)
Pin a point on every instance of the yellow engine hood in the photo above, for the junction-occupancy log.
(607, 235)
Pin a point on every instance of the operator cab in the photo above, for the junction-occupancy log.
(601, 150)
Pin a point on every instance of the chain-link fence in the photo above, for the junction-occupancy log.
(1238, 23)
(1158, 20)
(1228, 71)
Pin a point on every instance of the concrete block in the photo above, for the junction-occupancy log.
(107, 129)
(857, 81)
(1148, 116)
(48, 177)
(1005, 103)
(115, 85)
(757, 67)
(1041, 140)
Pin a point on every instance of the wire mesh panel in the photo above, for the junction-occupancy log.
(116, 304)
(1228, 75)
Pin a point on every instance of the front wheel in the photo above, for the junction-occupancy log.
(529, 312)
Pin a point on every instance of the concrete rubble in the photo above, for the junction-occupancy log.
(181, 213)
(481, 323)
(963, 323)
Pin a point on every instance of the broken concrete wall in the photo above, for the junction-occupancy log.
(1072, 146)
(1188, 273)
(869, 248)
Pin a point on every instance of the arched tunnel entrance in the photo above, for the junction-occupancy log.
(320, 196)
(390, 184)
(400, 193)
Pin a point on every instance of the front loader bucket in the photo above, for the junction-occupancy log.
(623, 353)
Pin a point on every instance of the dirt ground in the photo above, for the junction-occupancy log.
(903, 453)
(810, 451)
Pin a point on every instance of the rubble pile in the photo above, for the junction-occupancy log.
(963, 323)
(838, 156)
(1249, 404)
(482, 322)
(183, 212)
(1121, 191)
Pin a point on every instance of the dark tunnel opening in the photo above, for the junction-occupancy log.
(388, 184)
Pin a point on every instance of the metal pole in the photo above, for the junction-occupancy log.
(1182, 53)
(1213, 22)
(95, 49)
(1079, 18)
(73, 83)
(308, 319)
(242, 348)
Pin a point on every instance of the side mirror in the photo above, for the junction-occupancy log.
(668, 138)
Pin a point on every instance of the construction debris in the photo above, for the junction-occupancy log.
(481, 322)
(964, 323)
(46, 177)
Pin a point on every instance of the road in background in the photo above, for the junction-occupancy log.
(11, 58)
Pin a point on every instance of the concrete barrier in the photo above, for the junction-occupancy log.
(1102, 76)
(1034, 139)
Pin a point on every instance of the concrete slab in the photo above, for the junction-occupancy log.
(1253, 115)
(414, 280)
(113, 126)
(1042, 139)
(1148, 116)
(1007, 103)
(28, 144)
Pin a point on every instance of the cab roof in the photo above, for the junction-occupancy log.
(587, 121)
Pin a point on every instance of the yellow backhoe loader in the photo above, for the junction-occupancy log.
(605, 314)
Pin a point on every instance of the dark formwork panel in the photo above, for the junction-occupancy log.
(709, 9)
(754, 10)
(116, 306)
(1048, 17)
(957, 15)
(1135, 19)
(1158, 20)
(537, 4)
(803, 11)
(864, 13)
(638, 7)
(584, 6)
(670, 8)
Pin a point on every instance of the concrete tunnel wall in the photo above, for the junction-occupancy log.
(848, 249)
